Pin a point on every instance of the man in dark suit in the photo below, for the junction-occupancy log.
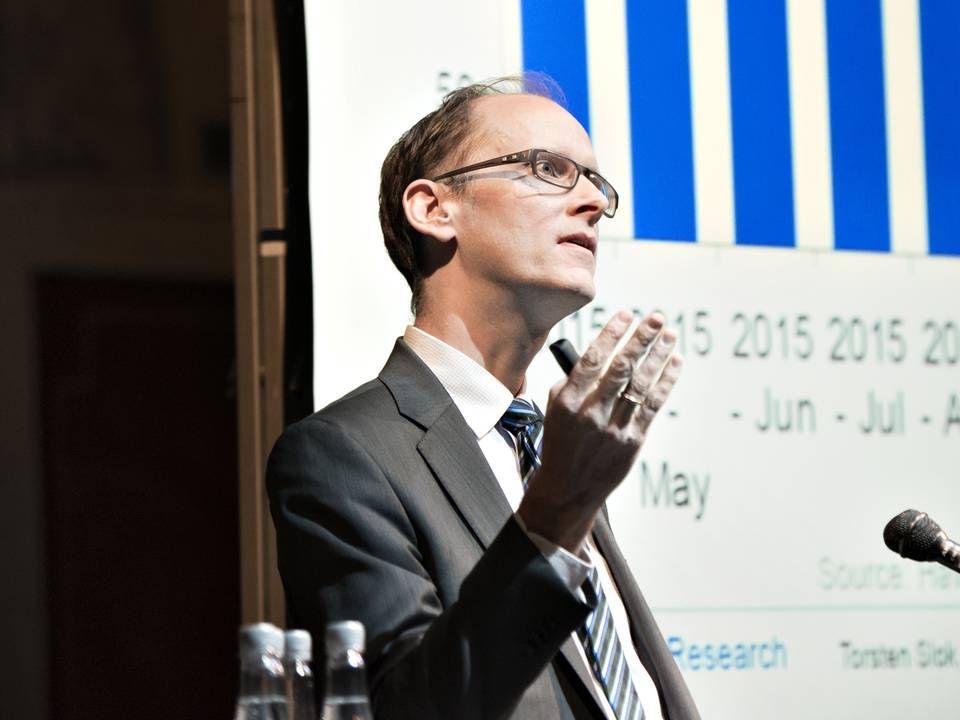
(481, 564)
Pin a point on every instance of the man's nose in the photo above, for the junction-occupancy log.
(587, 197)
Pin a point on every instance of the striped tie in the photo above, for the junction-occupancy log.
(524, 421)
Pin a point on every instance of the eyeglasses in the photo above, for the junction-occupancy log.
(550, 167)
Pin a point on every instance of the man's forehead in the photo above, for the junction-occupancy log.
(508, 123)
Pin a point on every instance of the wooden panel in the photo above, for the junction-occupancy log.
(139, 445)
(258, 205)
(271, 215)
(250, 451)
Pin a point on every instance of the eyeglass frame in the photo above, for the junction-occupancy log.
(528, 156)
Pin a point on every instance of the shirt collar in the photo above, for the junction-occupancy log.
(478, 395)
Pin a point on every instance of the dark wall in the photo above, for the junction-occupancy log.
(114, 166)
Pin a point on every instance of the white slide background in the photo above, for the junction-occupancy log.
(757, 542)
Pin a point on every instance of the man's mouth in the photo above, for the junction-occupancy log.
(584, 240)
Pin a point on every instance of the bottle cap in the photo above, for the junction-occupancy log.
(297, 646)
(261, 639)
(345, 635)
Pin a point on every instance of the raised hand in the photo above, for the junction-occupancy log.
(596, 423)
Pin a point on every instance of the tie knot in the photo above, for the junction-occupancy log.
(521, 415)
(524, 421)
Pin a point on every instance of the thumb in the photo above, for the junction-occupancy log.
(554, 391)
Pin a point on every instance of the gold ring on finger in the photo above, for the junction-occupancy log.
(638, 401)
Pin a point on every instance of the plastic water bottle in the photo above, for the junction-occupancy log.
(262, 691)
(297, 654)
(346, 697)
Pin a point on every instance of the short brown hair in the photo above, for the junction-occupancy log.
(419, 153)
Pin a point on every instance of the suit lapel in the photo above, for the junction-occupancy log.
(450, 449)
(576, 662)
(649, 643)
(448, 444)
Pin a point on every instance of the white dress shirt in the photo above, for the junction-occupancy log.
(482, 400)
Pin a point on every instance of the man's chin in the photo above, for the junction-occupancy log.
(568, 298)
(582, 288)
(584, 294)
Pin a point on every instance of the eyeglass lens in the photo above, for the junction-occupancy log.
(555, 169)
(558, 170)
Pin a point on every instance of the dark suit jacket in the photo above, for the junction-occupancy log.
(387, 512)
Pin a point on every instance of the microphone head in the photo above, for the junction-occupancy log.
(915, 535)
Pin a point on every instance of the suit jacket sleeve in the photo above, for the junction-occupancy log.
(347, 549)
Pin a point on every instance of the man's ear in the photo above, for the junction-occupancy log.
(427, 207)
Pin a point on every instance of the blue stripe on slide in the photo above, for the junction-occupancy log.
(940, 51)
(760, 115)
(660, 120)
(858, 132)
(555, 43)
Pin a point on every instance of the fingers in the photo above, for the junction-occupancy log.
(644, 370)
(649, 370)
(623, 366)
(657, 395)
(586, 372)
(645, 383)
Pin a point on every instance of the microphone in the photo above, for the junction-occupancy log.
(565, 354)
(915, 535)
